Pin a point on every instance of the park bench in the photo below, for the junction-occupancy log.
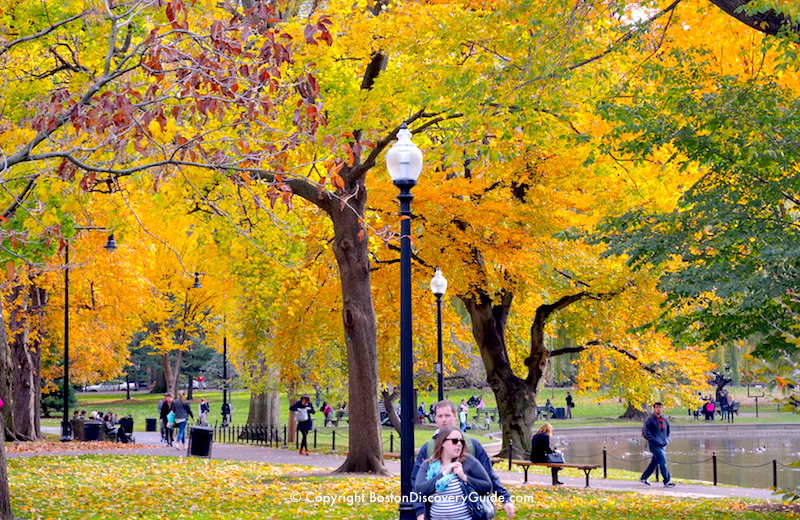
(525, 465)
(542, 412)
(489, 412)
(340, 416)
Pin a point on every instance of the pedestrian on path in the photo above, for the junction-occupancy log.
(570, 405)
(327, 411)
(445, 417)
(183, 411)
(303, 410)
(656, 431)
(167, 407)
(205, 410)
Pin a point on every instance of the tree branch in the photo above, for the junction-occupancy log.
(597, 343)
(613, 47)
(768, 21)
(5, 48)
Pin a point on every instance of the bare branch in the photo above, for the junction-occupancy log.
(41, 33)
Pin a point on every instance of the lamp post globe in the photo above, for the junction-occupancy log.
(404, 162)
(438, 288)
(404, 159)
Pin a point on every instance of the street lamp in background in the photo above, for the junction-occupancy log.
(111, 246)
(404, 162)
(438, 288)
(226, 408)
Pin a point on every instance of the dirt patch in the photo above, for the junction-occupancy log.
(774, 508)
(47, 446)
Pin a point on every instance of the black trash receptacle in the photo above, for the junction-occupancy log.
(200, 439)
(91, 430)
(126, 423)
(560, 413)
(150, 424)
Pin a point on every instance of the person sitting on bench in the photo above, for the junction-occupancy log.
(109, 429)
(541, 451)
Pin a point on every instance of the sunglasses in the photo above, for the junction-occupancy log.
(455, 441)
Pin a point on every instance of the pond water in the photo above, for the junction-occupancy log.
(742, 460)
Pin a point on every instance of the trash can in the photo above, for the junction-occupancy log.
(200, 439)
(77, 429)
(150, 424)
(91, 430)
(126, 423)
(560, 413)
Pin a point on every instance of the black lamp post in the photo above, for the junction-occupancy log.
(226, 409)
(110, 246)
(404, 162)
(439, 287)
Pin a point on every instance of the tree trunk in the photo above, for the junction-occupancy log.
(172, 373)
(365, 451)
(5, 498)
(6, 377)
(264, 409)
(633, 413)
(516, 398)
(388, 404)
(189, 387)
(26, 384)
(291, 419)
(5, 392)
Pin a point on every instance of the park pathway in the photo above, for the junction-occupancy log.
(328, 462)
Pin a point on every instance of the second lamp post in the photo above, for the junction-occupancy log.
(439, 287)
(404, 162)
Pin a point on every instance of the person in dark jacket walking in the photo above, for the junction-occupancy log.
(656, 431)
(303, 410)
(540, 449)
(570, 405)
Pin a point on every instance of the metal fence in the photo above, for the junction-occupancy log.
(278, 437)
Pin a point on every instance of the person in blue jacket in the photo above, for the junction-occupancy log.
(656, 431)
(445, 417)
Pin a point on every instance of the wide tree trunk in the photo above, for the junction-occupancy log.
(264, 409)
(516, 397)
(633, 413)
(365, 452)
(25, 304)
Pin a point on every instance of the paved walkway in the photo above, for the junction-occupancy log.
(326, 463)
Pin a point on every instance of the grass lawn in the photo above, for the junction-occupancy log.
(124, 486)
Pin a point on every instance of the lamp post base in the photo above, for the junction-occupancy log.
(407, 510)
(66, 434)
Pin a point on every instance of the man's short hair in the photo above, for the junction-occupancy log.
(168, 394)
(657, 403)
(445, 403)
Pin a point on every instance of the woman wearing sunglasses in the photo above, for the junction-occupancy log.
(446, 480)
